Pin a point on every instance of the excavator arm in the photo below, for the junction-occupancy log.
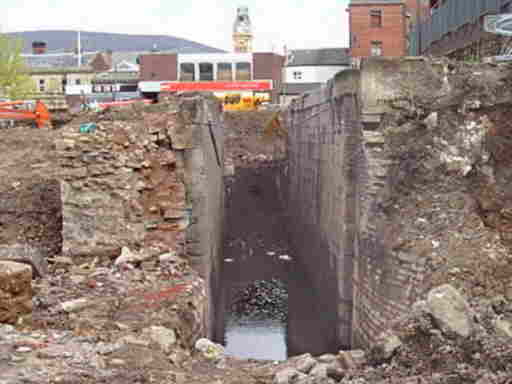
(9, 103)
(40, 115)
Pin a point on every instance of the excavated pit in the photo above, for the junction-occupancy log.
(266, 307)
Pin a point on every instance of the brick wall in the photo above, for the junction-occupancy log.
(392, 34)
(269, 66)
(339, 177)
(159, 67)
(323, 139)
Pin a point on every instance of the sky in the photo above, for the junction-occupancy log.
(298, 24)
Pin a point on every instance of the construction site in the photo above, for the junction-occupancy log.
(360, 235)
(326, 216)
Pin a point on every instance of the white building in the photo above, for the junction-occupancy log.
(308, 69)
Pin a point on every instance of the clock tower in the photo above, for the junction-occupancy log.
(242, 31)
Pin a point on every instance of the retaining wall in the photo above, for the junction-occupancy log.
(339, 174)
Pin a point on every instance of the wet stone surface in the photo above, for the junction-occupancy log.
(256, 323)
(264, 299)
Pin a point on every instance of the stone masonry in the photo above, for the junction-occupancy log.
(340, 176)
(146, 178)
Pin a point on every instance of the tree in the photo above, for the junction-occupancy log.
(15, 81)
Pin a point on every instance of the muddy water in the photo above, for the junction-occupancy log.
(256, 253)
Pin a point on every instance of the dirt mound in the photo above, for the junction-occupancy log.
(245, 139)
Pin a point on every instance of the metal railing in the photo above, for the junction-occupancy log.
(448, 18)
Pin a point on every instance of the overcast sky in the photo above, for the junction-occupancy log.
(296, 23)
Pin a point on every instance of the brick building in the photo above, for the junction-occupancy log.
(221, 73)
(381, 27)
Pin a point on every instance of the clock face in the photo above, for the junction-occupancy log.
(244, 26)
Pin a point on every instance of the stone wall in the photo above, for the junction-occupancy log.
(341, 172)
(470, 42)
(148, 178)
(153, 184)
(324, 147)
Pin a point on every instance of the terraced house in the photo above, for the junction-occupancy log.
(52, 72)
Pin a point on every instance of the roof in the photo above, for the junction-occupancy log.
(132, 57)
(322, 56)
(298, 88)
(384, 2)
(118, 77)
(57, 60)
(83, 69)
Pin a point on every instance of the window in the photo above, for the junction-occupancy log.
(64, 83)
(187, 72)
(297, 75)
(128, 88)
(205, 72)
(77, 81)
(376, 49)
(376, 18)
(42, 87)
(243, 71)
(224, 72)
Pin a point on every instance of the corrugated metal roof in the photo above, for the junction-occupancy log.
(316, 57)
(298, 88)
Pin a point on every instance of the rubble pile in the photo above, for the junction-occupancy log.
(246, 144)
(446, 146)
(444, 340)
(98, 218)
(448, 198)
(15, 291)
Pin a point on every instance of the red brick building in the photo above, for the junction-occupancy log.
(252, 72)
(381, 27)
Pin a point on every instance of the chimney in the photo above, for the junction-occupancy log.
(38, 47)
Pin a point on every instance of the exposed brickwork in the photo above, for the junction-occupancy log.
(339, 175)
(392, 33)
(322, 198)
(146, 178)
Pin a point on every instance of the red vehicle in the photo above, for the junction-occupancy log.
(41, 116)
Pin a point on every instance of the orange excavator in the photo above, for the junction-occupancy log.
(40, 115)
(9, 103)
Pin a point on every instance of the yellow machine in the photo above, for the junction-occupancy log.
(238, 102)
